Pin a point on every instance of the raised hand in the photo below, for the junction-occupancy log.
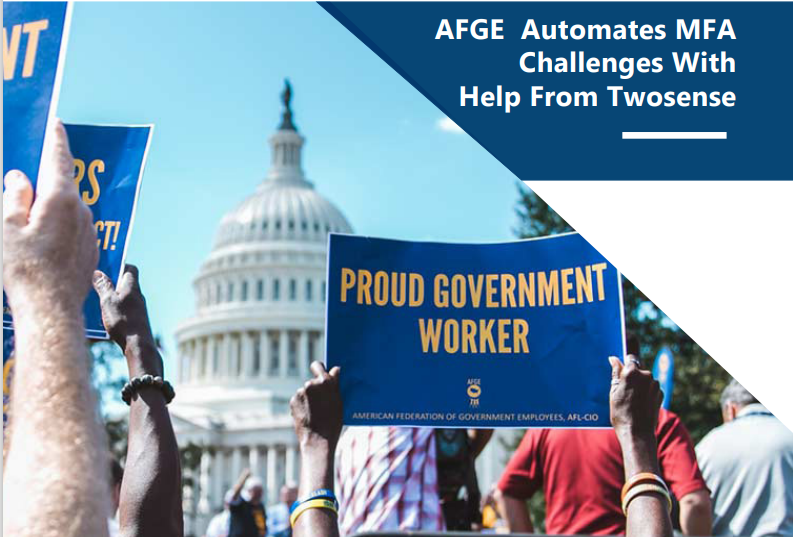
(317, 410)
(49, 245)
(126, 320)
(635, 398)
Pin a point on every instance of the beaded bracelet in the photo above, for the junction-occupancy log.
(319, 494)
(136, 383)
(642, 478)
(646, 488)
(312, 504)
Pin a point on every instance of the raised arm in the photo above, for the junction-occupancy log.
(317, 413)
(635, 400)
(55, 475)
(151, 492)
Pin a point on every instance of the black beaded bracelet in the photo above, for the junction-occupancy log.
(137, 383)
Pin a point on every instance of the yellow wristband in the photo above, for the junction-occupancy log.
(645, 488)
(319, 503)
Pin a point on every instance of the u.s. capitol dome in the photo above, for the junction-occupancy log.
(258, 324)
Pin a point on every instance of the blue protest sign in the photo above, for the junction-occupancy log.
(109, 163)
(473, 335)
(664, 373)
(34, 43)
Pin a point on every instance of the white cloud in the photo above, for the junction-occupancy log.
(447, 125)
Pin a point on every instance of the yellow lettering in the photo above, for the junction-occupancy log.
(97, 166)
(430, 334)
(441, 292)
(490, 290)
(549, 288)
(526, 290)
(469, 336)
(398, 291)
(599, 268)
(32, 29)
(347, 282)
(458, 291)
(507, 291)
(583, 284)
(380, 288)
(416, 283)
(364, 286)
(503, 336)
(451, 336)
(567, 286)
(521, 331)
(11, 51)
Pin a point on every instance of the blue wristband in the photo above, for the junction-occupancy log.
(319, 494)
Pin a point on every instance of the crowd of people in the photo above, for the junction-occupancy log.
(642, 478)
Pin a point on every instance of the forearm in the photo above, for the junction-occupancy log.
(648, 514)
(515, 512)
(55, 480)
(316, 472)
(151, 498)
(696, 513)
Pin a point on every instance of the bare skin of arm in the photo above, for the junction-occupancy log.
(151, 492)
(634, 400)
(696, 513)
(55, 480)
(237, 489)
(514, 511)
(317, 413)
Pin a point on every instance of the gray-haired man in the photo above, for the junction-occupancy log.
(748, 466)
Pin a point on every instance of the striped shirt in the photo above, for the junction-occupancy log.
(387, 480)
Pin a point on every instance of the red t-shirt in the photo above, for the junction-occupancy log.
(581, 473)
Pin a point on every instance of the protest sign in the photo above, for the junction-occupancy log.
(109, 163)
(473, 335)
(34, 45)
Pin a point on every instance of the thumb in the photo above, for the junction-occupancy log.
(102, 285)
(17, 198)
(616, 367)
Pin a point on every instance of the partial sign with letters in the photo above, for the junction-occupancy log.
(109, 163)
(473, 335)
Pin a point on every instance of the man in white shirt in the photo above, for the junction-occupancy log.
(748, 466)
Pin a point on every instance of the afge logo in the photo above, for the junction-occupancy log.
(474, 391)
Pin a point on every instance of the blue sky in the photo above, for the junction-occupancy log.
(209, 76)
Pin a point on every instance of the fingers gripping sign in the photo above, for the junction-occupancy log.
(635, 397)
(53, 233)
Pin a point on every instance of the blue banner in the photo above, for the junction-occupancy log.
(664, 373)
(473, 335)
(600, 90)
(109, 163)
(34, 42)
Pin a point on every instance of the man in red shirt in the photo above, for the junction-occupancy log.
(581, 474)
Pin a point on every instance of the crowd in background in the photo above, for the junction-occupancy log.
(641, 478)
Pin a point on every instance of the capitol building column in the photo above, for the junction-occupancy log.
(283, 353)
(302, 355)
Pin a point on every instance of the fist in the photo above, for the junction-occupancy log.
(635, 398)
(317, 410)
(49, 246)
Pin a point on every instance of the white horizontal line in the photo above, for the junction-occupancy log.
(674, 135)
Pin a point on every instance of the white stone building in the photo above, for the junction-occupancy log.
(259, 323)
